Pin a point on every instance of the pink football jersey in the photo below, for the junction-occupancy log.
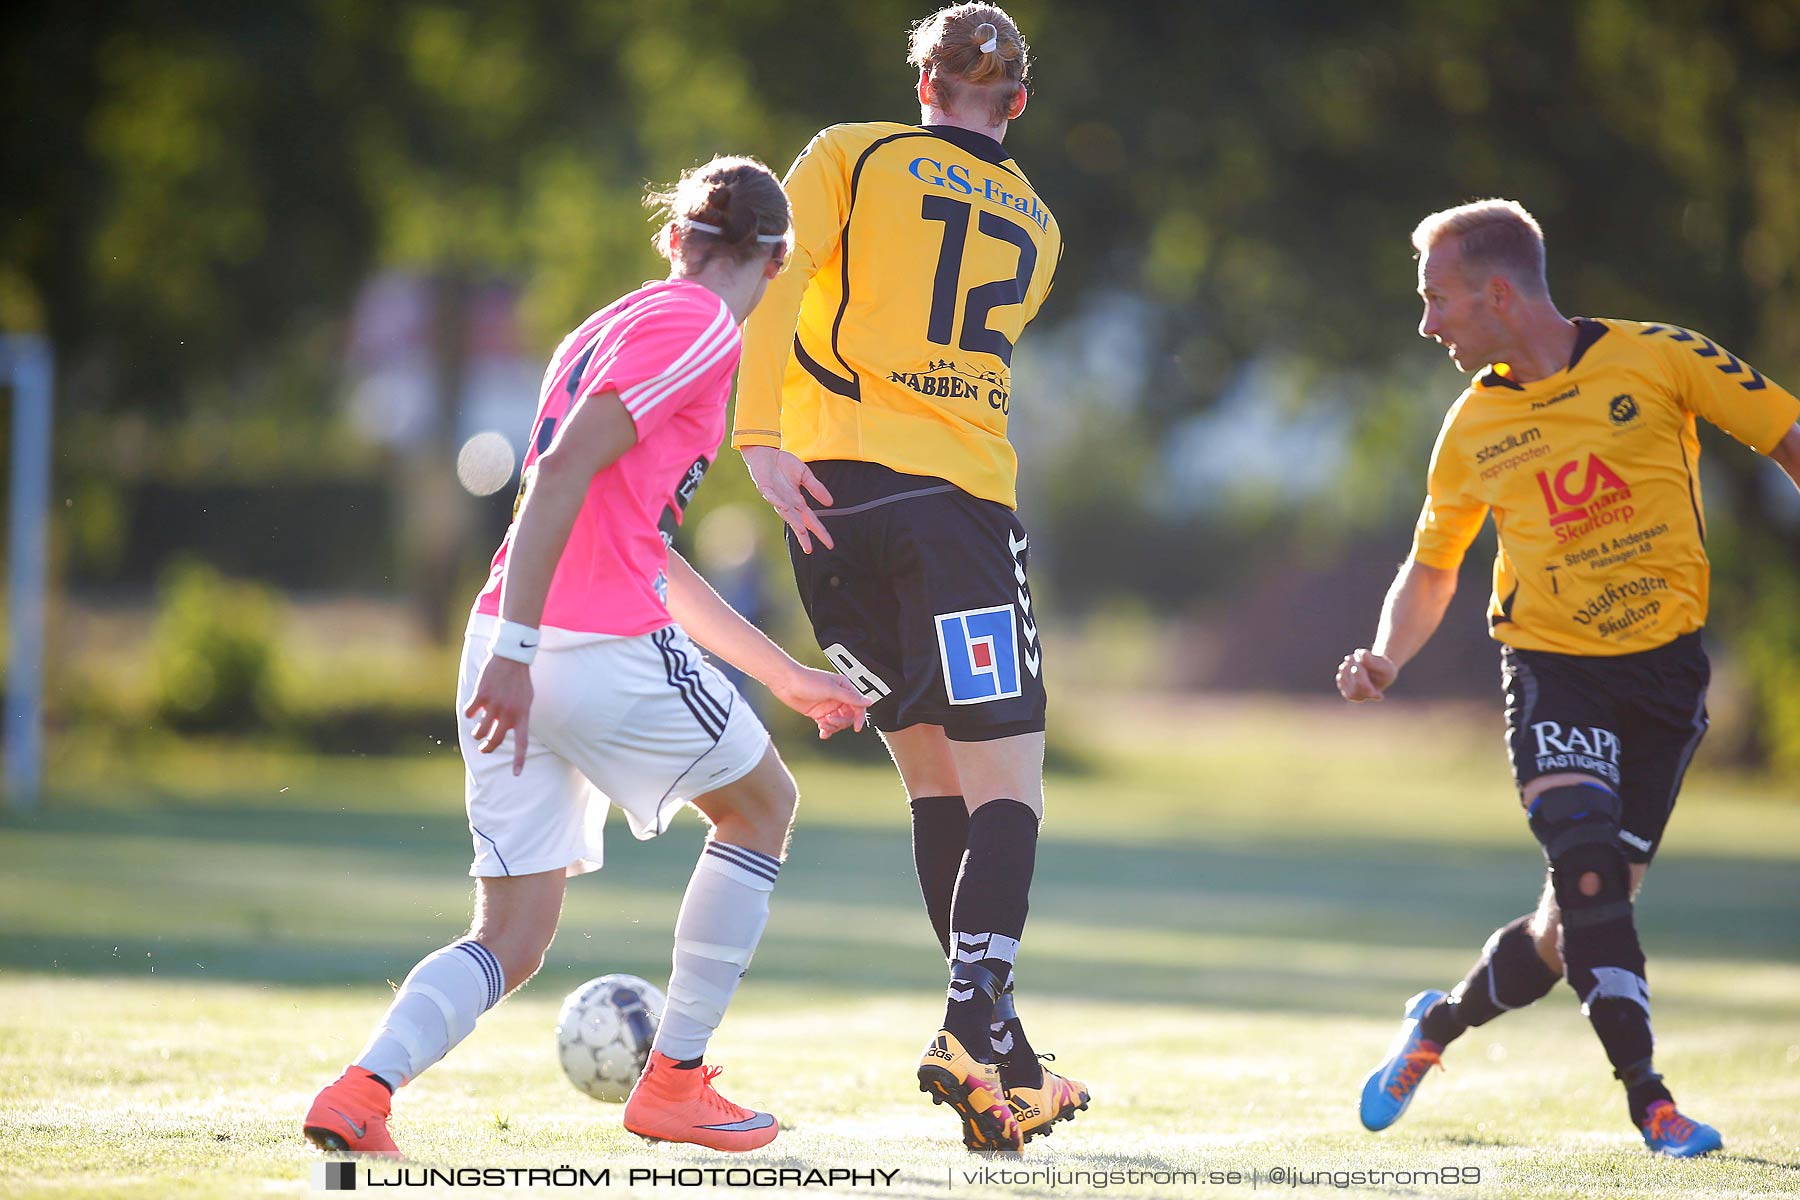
(669, 351)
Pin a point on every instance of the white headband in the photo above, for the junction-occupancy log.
(991, 45)
(703, 227)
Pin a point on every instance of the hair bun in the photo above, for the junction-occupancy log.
(728, 204)
(987, 37)
(737, 224)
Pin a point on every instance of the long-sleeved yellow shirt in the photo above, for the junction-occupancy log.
(920, 254)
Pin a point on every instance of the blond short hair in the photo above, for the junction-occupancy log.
(1496, 235)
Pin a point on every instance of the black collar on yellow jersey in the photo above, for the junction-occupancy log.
(1587, 332)
(979, 144)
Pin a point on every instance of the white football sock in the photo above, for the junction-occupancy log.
(434, 1009)
(722, 920)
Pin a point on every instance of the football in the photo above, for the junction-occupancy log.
(604, 1031)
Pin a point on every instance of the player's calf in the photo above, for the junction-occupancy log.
(721, 923)
(756, 811)
(436, 1007)
(1509, 974)
(515, 920)
(1578, 826)
(940, 836)
(988, 916)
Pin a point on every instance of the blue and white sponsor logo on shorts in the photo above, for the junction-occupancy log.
(980, 649)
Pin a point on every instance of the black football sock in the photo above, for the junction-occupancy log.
(1602, 957)
(940, 828)
(1604, 963)
(987, 916)
(1508, 975)
(1578, 827)
(1624, 1030)
(1019, 1066)
(1643, 1087)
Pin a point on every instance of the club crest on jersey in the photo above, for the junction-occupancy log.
(980, 651)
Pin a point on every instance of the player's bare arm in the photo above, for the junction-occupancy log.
(786, 482)
(1787, 453)
(593, 438)
(825, 697)
(1413, 610)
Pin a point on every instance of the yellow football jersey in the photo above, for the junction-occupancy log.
(1593, 478)
(921, 253)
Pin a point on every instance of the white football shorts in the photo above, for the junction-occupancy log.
(644, 723)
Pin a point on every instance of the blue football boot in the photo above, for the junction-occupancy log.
(1668, 1132)
(1390, 1086)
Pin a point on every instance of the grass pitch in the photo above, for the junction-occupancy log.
(1231, 905)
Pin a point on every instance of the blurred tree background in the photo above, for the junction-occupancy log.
(1224, 413)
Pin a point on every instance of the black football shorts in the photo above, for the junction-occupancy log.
(1633, 720)
(923, 604)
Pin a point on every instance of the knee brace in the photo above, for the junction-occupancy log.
(1578, 826)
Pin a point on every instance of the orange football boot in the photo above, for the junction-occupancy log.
(352, 1114)
(951, 1075)
(1055, 1099)
(672, 1105)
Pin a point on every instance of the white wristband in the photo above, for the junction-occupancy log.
(517, 642)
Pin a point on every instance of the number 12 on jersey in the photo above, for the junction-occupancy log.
(984, 297)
